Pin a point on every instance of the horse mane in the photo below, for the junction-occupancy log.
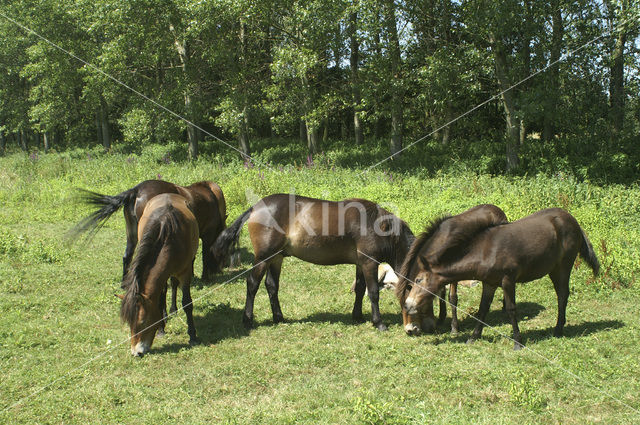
(162, 223)
(416, 247)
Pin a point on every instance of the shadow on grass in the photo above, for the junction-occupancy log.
(344, 318)
(220, 323)
(572, 331)
(525, 311)
(536, 335)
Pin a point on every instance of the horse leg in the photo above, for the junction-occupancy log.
(187, 306)
(442, 314)
(209, 266)
(560, 279)
(174, 294)
(453, 300)
(370, 272)
(253, 282)
(163, 307)
(359, 288)
(132, 239)
(509, 292)
(485, 304)
(272, 282)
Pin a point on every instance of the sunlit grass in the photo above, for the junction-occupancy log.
(59, 312)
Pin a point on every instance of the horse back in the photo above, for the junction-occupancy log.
(180, 239)
(531, 247)
(147, 190)
(456, 230)
(318, 231)
(208, 205)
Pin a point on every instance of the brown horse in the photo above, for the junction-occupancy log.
(205, 199)
(168, 235)
(353, 231)
(546, 242)
(442, 236)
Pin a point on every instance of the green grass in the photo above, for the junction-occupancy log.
(59, 311)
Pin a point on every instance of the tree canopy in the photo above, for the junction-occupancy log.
(353, 70)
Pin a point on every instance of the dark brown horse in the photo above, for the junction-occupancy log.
(445, 234)
(353, 231)
(168, 235)
(546, 242)
(205, 200)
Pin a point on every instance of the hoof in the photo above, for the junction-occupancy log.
(381, 327)
(278, 319)
(454, 332)
(358, 318)
(517, 346)
(558, 333)
(471, 341)
(194, 341)
(247, 323)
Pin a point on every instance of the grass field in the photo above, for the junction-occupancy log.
(64, 354)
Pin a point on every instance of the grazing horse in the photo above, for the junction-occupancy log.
(546, 242)
(442, 237)
(168, 235)
(353, 231)
(205, 198)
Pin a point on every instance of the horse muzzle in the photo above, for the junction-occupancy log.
(140, 349)
(412, 329)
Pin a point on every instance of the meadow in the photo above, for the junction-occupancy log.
(65, 358)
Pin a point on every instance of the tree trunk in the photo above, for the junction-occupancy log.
(183, 53)
(616, 83)
(312, 138)
(303, 131)
(508, 101)
(243, 130)
(397, 98)
(557, 32)
(355, 83)
(243, 134)
(24, 142)
(45, 140)
(344, 129)
(448, 116)
(3, 142)
(325, 130)
(103, 117)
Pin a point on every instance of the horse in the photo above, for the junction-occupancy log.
(352, 231)
(442, 236)
(168, 235)
(205, 198)
(544, 243)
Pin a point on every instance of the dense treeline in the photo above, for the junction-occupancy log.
(353, 70)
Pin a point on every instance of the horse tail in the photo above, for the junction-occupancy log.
(587, 253)
(229, 237)
(106, 206)
(163, 222)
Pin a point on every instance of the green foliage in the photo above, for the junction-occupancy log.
(20, 248)
(263, 68)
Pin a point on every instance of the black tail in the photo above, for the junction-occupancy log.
(107, 205)
(229, 237)
(587, 253)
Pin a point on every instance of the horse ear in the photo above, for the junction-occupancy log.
(121, 296)
(423, 263)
